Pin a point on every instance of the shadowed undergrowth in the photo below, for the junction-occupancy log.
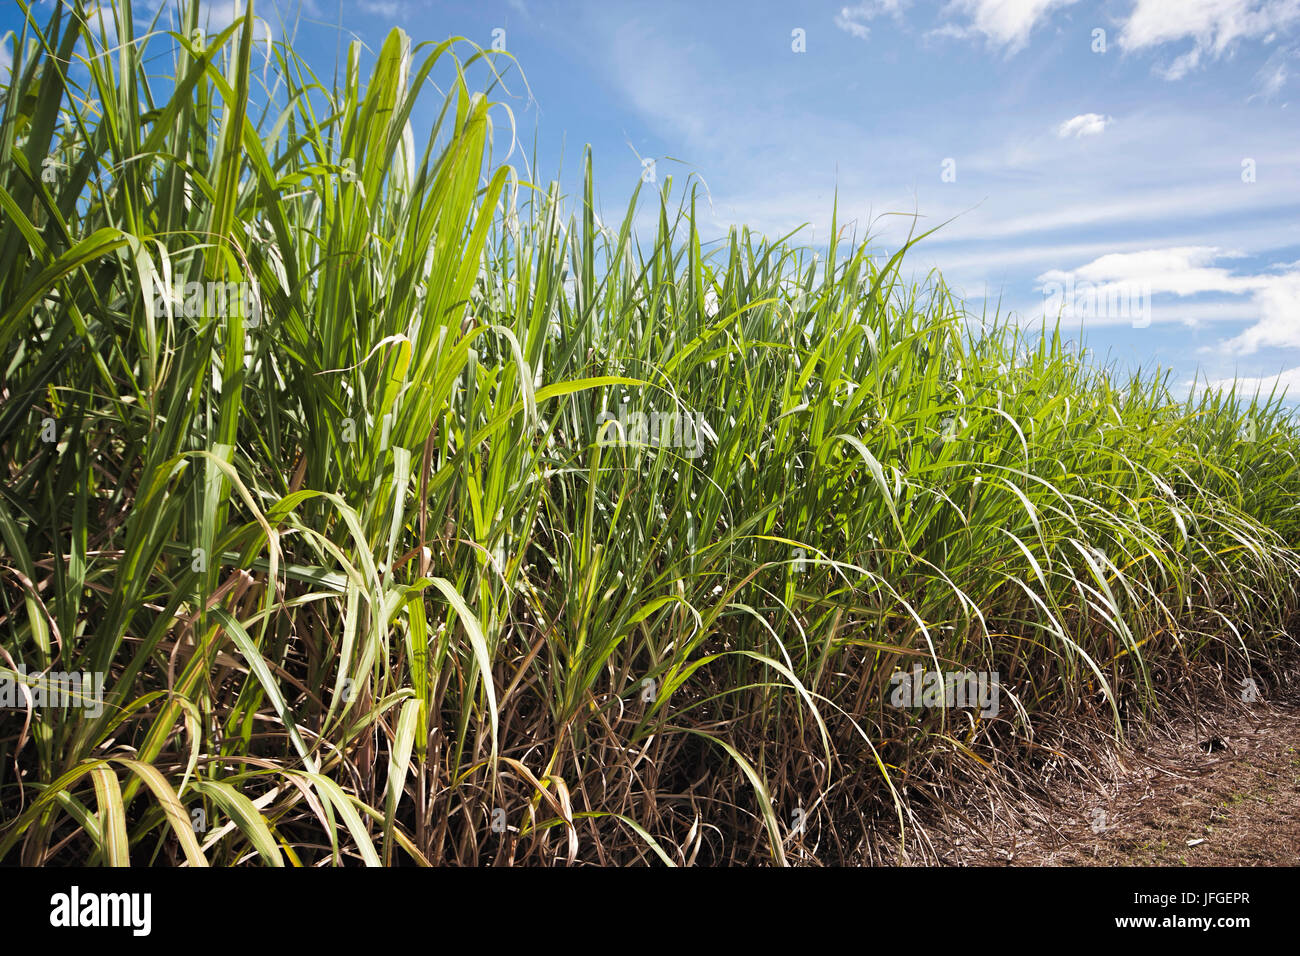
(380, 563)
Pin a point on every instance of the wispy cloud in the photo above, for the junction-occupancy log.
(1191, 271)
(854, 19)
(1004, 23)
(1213, 26)
(1085, 124)
(1279, 323)
(219, 14)
(381, 8)
(1179, 270)
(1272, 81)
(214, 15)
(1271, 78)
(1287, 380)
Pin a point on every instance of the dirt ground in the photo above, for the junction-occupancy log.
(1219, 786)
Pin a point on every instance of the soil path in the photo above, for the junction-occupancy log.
(1223, 790)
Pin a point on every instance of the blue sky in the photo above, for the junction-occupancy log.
(1138, 160)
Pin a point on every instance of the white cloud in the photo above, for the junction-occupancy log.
(1287, 380)
(1272, 82)
(214, 16)
(1181, 66)
(1187, 271)
(854, 19)
(1179, 271)
(1038, 212)
(1005, 23)
(219, 14)
(848, 21)
(1213, 26)
(1085, 124)
(1279, 322)
(1272, 77)
(382, 8)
